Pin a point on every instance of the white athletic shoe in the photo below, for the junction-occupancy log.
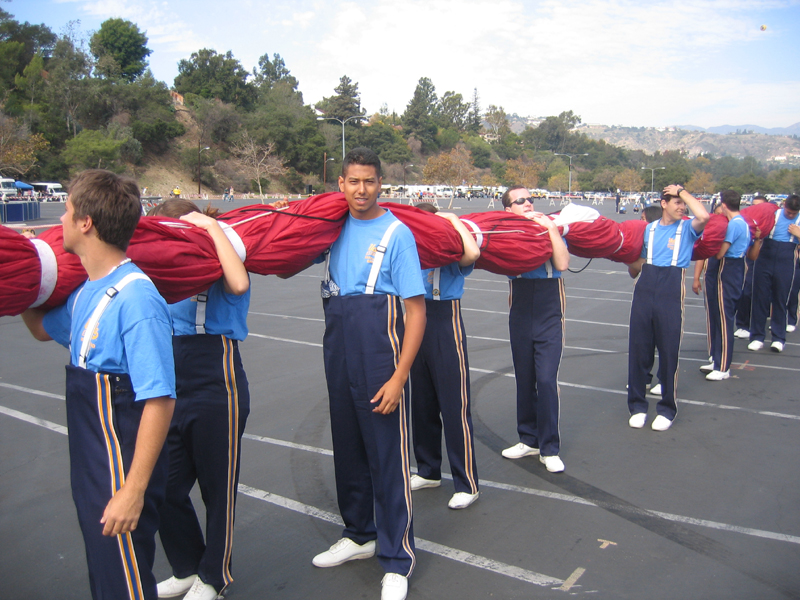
(718, 375)
(553, 463)
(519, 450)
(661, 423)
(462, 500)
(755, 345)
(742, 334)
(394, 587)
(201, 591)
(777, 346)
(638, 420)
(707, 368)
(175, 586)
(790, 328)
(655, 390)
(420, 483)
(342, 551)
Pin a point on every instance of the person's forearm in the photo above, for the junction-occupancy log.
(33, 319)
(237, 281)
(560, 256)
(153, 428)
(699, 211)
(723, 250)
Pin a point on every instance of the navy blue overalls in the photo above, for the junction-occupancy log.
(361, 347)
(204, 440)
(536, 327)
(440, 385)
(724, 281)
(103, 421)
(793, 306)
(656, 322)
(772, 282)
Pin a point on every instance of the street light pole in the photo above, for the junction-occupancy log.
(199, 151)
(652, 175)
(325, 170)
(570, 167)
(342, 122)
(405, 192)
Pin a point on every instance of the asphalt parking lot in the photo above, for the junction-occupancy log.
(707, 509)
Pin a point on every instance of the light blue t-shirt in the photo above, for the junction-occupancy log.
(451, 281)
(738, 236)
(133, 336)
(780, 233)
(353, 252)
(226, 314)
(664, 243)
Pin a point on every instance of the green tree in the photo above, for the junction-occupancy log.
(120, 49)
(272, 72)
(451, 168)
(419, 118)
(474, 117)
(68, 80)
(19, 43)
(93, 149)
(18, 147)
(211, 75)
(345, 104)
(453, 112)
(385, 140)
(497, 121)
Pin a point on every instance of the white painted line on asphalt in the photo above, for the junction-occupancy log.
(19, 388)
(285, 316)
(33, 420)
(278, 339)
(780, 537)
(294, 446)
(483, 482)
(467, 558)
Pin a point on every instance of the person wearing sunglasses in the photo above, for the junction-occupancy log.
(536, 325)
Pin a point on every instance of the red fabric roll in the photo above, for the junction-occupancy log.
(284, 241)
(713, 236)
(510, 245)
(20, 272)
(597, 239)
(760, 216)
(438, 243)
(632, 232)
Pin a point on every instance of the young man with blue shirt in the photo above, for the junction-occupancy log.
(724, 283)
(536, 326)
(772, 277)
(658, 301)
(368, 354)
(440, 378)
(120, 386)
(205, 438)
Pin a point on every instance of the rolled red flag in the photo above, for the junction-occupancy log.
(760, 217)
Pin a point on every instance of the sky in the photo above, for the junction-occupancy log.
(614, 62)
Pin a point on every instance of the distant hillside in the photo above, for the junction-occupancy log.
(763, 147)
(726, 129)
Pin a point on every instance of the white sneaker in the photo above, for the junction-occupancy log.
(790, 328)
(655, 390)
(638, 420)
(741, 334)
(755, 345)
(420, 483)
(661, 423)
(394, 587)
(462, 500)
(175, 586)
(553, 463)
(777, 346)
(718, 375)
(519, 450)
(707, 368)
(342, 551)
(201, 591)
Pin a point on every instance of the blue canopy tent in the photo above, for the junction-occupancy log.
(21, 185)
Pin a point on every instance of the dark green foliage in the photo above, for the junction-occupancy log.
(120, 49)
(420, 116)
(215, 76)
(345, 104)
(385, 140)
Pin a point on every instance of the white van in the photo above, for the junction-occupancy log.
(7, 188)
(50, 191)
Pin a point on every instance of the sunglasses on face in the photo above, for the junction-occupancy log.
(521, 201)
